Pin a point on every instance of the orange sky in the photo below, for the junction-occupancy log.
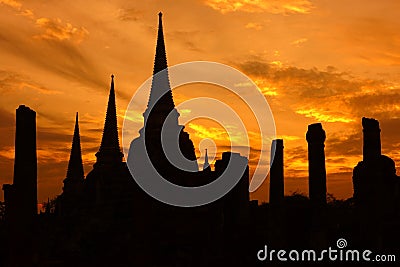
(315, 61)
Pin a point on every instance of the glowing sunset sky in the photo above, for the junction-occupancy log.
(315, 61)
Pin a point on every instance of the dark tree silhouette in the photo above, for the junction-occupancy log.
(49, 207)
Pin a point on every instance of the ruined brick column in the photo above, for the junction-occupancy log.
(372, 139)
(21, 196)
(316, 164)
(365, 174)
(276, 184)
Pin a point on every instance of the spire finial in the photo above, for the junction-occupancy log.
(112, 82)
(160, 14)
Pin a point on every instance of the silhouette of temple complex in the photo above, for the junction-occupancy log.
(106, 219)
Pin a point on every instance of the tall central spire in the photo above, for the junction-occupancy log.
(110, 150)
(160, 99)
(75, 166)
(161, 125)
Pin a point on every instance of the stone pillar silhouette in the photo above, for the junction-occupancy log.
(21, 196)
(366, 173)
(278, 236)
(276, 184)
(375, 186)
(25, 165)
(316, 164)
(372, 139)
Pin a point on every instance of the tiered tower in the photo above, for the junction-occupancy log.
(73, 183)
(109, 183)
(110, 151)
(162, 139)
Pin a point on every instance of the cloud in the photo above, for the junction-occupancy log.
(67, 60)
(254, 25)
(347, 143)
(323, 95)
(382, 102)
(27, 13)
(53, 136)
(55, 29)
(306, 83)
(326, 95)
(17, 6)
(293, 154)
(324, 116)
(129, 14)
(11, 3)
(134, 116)
(377, 40)
(299, 42)
(11, 82)
(6, 119)
(203, 132)
(256, 6)
(288, 137)
(55, 50)
(7, 122)
(189, 39)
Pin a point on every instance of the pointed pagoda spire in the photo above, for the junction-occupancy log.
(110, 150)
(160, 60)
(75, 166)
(206, 164)
(160, 87)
